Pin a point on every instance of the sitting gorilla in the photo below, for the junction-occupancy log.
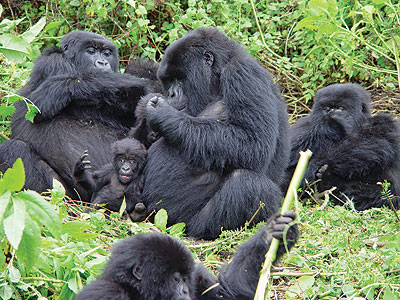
(207, 171)
(112, 182)
(84, 104)
(155, 266)
(352, 150)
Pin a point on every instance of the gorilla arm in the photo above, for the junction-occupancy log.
(89, 89)
(375, 146)
(239, 279)
(215, 143)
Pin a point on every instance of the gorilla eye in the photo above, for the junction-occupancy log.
(177, 277)
(208, 57)
(107, 53)
(121, 160)
(91, 50)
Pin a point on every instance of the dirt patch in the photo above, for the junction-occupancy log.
(385, 101)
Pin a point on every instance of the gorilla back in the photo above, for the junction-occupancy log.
(211, 172)
(84, 105)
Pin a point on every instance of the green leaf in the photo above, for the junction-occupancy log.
(177, 228)
(13, 274)
(6, 292)
(31, 113)
(301, 286)
(390, 295)
(14, 178)
(76, 230)
(41, 211)
(52, 26)
(28, 247)
(4, 201)
(57, 192)
(14, 224)
(13, 47)
(6, 110)
(161, 219)
(75, 283)
(30, 35)
(308, 22)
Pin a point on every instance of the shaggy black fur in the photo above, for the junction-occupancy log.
(352, 150)
(84, 104)
(207, 171)
(157, 267)
(114, 182)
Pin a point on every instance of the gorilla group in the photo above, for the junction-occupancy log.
(84, 105)
(352, 150)
(223, 146)
(157, 267)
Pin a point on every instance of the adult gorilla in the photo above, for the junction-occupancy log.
(211, 172)
(85, 105)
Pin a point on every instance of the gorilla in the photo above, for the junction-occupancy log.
(84, 104)
(155, 266)
(110, 183)
(352, 150)
(207, 171)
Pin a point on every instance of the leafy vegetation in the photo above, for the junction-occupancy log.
(49, 250)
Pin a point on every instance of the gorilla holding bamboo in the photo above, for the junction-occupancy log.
(352, 150)
(155, 266)
(206, 171)
(84, 104)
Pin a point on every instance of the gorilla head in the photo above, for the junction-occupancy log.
(194, 64)
(88, 50)
(155, 266)
(343, 107)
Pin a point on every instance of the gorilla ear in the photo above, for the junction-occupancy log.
(208, 57)
(137, 272)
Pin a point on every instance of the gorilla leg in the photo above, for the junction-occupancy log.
(236, 203)
(38, 174)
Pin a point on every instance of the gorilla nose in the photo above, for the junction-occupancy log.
(102, 64)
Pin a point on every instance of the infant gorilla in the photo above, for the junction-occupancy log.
(157, 267)
(114, 182)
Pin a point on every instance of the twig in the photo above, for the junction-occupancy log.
(289, 198)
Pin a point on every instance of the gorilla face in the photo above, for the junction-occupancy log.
(92, 52)
(190, 73)
(340, 107)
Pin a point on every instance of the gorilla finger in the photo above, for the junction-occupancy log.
(279, 227)
(291, 214)
(140, 207)
(153, 101)
(321, 171)
(284, 220)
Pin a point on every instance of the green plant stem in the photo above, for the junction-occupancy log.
(287, 203)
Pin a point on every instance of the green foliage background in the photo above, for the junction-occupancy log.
(47, 253)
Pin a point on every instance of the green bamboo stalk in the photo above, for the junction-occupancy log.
(261, 291)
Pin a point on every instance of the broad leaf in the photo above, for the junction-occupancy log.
(30, 35)
(4, 200)
(41, 211)
(28, 247)
(14, 178)
(177, 228)
(161, 219)
(14, 224)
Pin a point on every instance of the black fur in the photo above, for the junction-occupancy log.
(84, 104)
(108, 184)
(212, 171)
(352, 150)
(157, 267)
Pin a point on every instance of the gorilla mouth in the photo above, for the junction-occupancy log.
(125, 178)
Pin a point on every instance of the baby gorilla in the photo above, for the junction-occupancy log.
(155, 266)
(113, 182)
(352, 150)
